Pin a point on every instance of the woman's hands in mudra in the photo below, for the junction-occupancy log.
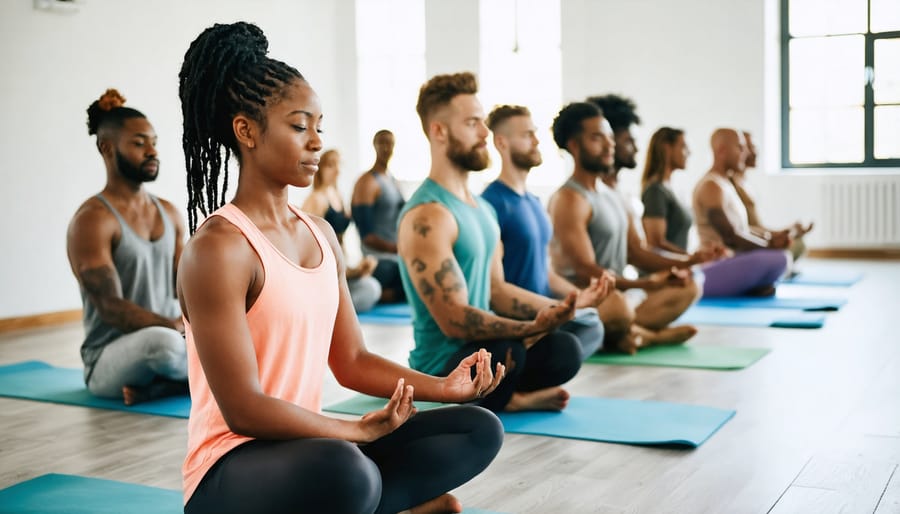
(461, 386)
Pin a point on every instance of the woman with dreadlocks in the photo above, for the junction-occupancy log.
(266, 306)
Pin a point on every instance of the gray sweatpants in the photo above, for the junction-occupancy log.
(137, 359)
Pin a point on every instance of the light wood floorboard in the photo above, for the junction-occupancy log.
(817, 425)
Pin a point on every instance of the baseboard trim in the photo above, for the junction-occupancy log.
(875, 254)
(40, 320)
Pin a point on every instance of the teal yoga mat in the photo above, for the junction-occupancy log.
(752, 317)
(390, 314)
(35, 380)
(685, 356)
(68, 494)
(775, 302)
(822, 276)
(599, 419)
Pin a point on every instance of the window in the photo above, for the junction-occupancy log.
(521, 63)
(840, 95)
(391, 68)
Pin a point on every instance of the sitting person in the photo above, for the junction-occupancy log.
(722, 220)
(325, 201)
(452, 268)
(738, 179)
(123, 245)
(376, 205)
(592, 233)
(667, 222)
(267, 308)
(525, 228)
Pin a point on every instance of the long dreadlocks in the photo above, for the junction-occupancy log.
(225, 72)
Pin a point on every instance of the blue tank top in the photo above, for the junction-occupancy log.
(473, 249)
(146, 271)
(525, 231)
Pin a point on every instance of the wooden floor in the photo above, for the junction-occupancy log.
(817, 428)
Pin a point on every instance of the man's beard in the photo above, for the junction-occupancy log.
(630, 164)
(136, 173)
(525, 160)
(473, 159)
(593, 163)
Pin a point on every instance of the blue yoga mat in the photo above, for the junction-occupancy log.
(823, 276)
(68, 494)
(775, 302)
(751, 317)
(596, 419)
(35, 380)
(390, 314)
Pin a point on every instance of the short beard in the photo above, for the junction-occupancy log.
(473, 159)
(525, 160)
(631, 164)
(133, 173)
(594, 165)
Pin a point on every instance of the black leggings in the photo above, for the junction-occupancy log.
(433, 452)
(552, 361)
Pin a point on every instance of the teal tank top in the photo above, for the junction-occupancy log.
(473, 250)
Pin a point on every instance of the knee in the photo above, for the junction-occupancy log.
(164, 344)
(365, 293)
(566, 353)
(485, 429)
(615, 313)
(691, 292)
(349, 479)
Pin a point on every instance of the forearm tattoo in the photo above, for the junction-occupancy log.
(101, 283)
(523, 310)
(475, 326)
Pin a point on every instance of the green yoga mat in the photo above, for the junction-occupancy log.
(36, 380)
(597, 419)
(69, 494)
(685, 356)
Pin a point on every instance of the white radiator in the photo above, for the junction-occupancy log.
(859, 212)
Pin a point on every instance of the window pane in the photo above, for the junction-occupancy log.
(887, 132)
(824, 17)
(827, 72)
(827, 135)
(885, 15)
(887, 71)
(390, 70)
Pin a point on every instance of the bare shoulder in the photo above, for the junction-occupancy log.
(93, 217)
(433, 214)
(567, 203)
(365, 189)
(709, 192)
(171, 210)
(328, 231)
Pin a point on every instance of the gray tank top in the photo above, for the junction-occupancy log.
(385, 213)
(608, 228)
(146, 272)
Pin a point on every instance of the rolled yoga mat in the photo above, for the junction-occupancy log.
(70, 494)
(595, 419)
(36, 380)
(685, 356)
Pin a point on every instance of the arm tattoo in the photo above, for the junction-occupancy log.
(101, 283)
(448, 278)
(525, 310)
(476, 327)
(421, 227)
(418, 265)
(426, 288)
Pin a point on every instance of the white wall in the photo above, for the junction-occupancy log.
(55, 65)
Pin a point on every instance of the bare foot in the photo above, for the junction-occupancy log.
(551, 398)
(672, 335)
(441, 504)
(762, 291)
(133, 395)
(633, 342)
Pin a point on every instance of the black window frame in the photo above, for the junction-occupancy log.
(869, 160)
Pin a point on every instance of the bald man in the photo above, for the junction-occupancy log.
(738, 178)
(722, 218)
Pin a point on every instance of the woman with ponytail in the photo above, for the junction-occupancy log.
(266, 305)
